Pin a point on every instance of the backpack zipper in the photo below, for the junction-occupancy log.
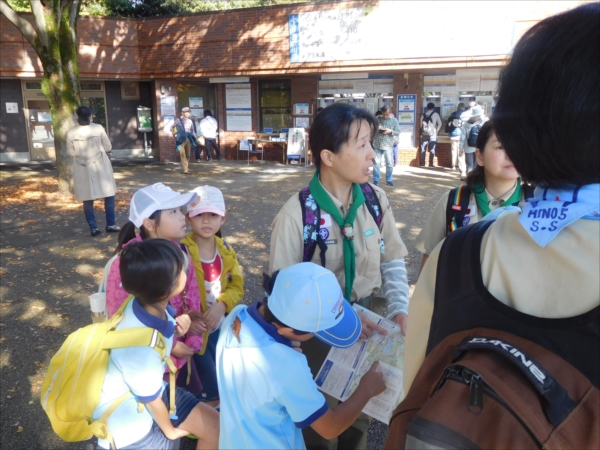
(478, 387)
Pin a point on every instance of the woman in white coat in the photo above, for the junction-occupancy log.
(93, 176)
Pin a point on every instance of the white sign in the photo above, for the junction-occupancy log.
(489, 79)
(296, 143)
(167, 106)
(468, 80)
(355, 34)
(302, 122)
(301, 108)
(239, 119)
(168, 120)
(406, 117)
(12, 108)
(196, 102)
(238, 95)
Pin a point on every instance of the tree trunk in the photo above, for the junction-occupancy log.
(60, 83)
(53, 35)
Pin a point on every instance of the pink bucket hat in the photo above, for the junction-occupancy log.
(210, 199)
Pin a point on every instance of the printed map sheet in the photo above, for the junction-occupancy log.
(344, 367)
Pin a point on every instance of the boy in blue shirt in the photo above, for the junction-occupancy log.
(266, 387)
(152, 271)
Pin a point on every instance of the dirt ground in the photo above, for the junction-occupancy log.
(50, 264)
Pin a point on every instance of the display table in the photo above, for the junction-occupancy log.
(258, 146)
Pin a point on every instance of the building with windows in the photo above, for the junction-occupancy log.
(266, 70)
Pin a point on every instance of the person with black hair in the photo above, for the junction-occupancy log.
(153, 272)
(93, 178)
(493, 183)
(210, 130)
(538, 262)
(354, 228)
(267, 391)
(431, 123)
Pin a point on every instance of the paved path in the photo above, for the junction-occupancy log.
(50, 264)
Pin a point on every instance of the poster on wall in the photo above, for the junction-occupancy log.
(168, 121)
(407, 104)
(12, 108)
(167, 106)
(468, 80)
(302, 122)
(302, 109)
(238, 95)
(486, 101)
(239, 119)
(355, 33)
(489, 79)
(449, 105)
(196, 102)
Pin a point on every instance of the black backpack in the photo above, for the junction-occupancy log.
(494, 377)
(458, 204)
(179, 132)
(453, 122)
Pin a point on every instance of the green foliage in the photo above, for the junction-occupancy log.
(150, 8)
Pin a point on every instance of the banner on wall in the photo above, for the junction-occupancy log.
(355, 33)
(238, 106)
(407, 119)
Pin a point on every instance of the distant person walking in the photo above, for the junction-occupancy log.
(210, 131)
(93, 176)
(185, 149)
(383, 144)
(430, 127)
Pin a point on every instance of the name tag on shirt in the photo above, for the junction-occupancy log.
(471, 210)
(326, 220)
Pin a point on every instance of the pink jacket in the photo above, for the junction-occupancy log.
(116, 295)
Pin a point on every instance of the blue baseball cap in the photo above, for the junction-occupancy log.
(308, 297)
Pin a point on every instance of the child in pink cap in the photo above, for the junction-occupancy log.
(219, 277)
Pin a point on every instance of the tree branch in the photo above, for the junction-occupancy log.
(40, 22)
(23, 26)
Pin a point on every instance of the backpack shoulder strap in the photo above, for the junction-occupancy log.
(458, 202)
(311, 220)
(456, 274)
(136, 337)
(373, 204)
(528, 191)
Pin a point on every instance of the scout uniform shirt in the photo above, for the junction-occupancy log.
(434, 230)
(287, 242)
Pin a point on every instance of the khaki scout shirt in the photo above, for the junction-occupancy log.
(556, 281)
(287, 243)
(434, 230)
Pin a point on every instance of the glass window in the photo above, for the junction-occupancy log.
(33, 85)
(90, 86)
(198, 97)
(275, 104)
(98, 106)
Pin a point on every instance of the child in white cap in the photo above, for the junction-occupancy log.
(267, 391)
(219, 277)
(155, 211)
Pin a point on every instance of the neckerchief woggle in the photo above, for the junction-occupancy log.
(551, 210)
(484, 204)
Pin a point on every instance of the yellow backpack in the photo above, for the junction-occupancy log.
(72, 387)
